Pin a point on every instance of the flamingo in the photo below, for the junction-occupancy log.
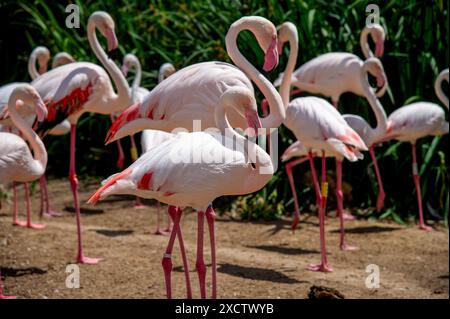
(79, 87)
(320, 128)
(149, 138)
(16, 162)
(171, 174)
(332, 74)
(42, 55)
(172, 103)
(417, 120)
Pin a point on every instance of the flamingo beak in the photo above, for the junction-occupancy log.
(253, 122)
(42, 69)
(380, 82)
(41, 110)
(125, 69)
(113, 43)
(271, 57)
(379, 48)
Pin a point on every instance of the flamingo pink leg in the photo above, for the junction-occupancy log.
(381, 193)
(323, 266)
(167, 259)
(158, 218)
(16, 222)
(210, 217)
(2, 296)
(81, 259)
(315, 179)
(340, 194)
(289, 167)
(46, 210)
(121, 158)
(416, 177)
(28, 204)
(340, 206)
(184, 258)
(200, 262)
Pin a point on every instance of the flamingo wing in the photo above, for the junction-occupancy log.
(66, 89)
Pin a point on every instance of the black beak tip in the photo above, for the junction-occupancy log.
(113, 53)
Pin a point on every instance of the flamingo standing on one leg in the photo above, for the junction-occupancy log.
(417, 120)
(320, 129)
(170, 174)
(76, 88)
(16, 162)
(332, 74)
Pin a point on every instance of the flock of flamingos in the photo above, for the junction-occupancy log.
(221, 96)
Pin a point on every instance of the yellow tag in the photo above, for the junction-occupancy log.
(134, 154)
(324, 189)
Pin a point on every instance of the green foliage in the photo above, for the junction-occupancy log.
(187, 32)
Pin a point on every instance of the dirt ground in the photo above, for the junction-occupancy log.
(255, 260)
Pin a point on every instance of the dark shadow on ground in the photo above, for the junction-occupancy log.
(285, 250)
(85, 210)
(368, 229)
(19, 272)
(257, 274)
(113, 233)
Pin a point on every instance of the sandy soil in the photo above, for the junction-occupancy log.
(255, 260)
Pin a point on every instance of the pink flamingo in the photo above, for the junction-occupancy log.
(76, 88)
(16, 162)
(162, 109)
(149, 138)
(171, 174)
(332, 74)
(320, 128)
(417, 120)
(42, 55)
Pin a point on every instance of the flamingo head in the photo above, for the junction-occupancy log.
(105, 24)
(166, 70)
(43, 56)
(375, 68)
(62, 58)
(285, 32)
(378, 35)
(27, 95)
(129, 61)
(266, 35)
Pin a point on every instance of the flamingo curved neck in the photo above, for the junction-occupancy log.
(438, 88)
(380, 130)
(137, 79)
(39, 151)
(277, 112)
(32, 71)
(123, 89)
(364, 43)
(287, 75)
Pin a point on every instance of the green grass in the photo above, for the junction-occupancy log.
(183, 33)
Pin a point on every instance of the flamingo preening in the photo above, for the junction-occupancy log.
(192, 169)
(417, 120)
(73, 89)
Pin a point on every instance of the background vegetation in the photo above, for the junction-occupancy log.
(187, 32)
